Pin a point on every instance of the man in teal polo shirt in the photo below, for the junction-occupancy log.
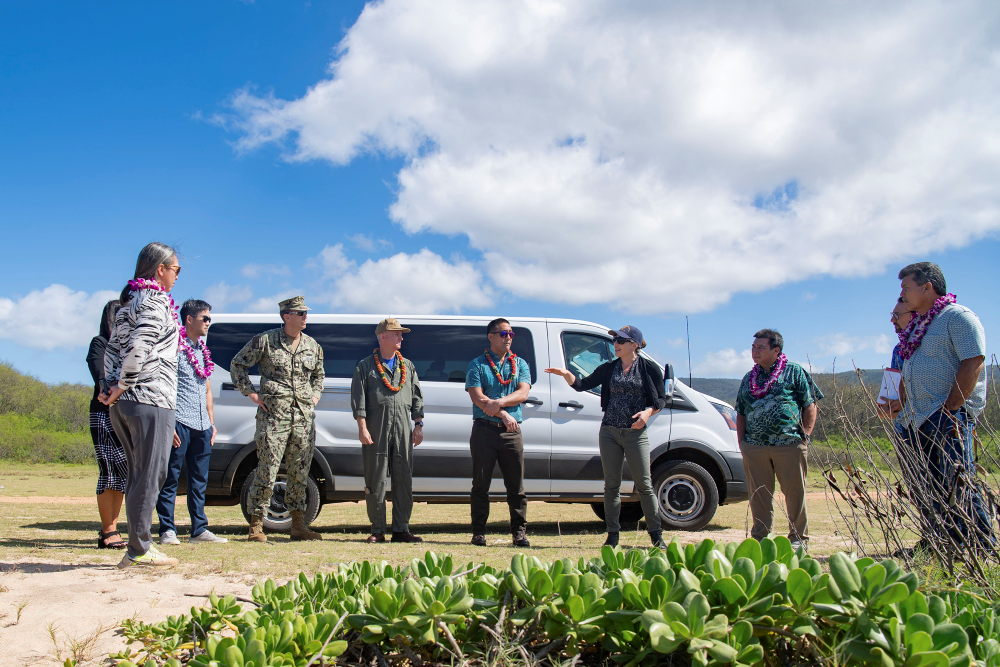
(498, 381)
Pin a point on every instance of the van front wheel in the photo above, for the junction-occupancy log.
(686, 495)
(277, 517)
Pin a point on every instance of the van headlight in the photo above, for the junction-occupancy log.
(728, 413)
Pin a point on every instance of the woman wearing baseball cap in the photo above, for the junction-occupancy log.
(632, 392)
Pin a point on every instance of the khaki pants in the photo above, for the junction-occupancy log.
(788, 464)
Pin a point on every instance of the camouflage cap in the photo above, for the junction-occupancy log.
(295, 303)
(390, 324)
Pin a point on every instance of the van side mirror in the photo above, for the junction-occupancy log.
(668, 379)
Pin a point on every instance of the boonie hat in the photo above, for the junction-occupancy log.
(390, 324)
(295, 303)
(629, 332)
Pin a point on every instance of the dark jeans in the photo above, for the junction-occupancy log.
(944, 457)
(196, 450)
(492, 445)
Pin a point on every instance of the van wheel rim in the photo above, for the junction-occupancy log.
(681, 497)
(277, 511)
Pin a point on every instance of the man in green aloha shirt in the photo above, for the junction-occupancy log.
(776, 414)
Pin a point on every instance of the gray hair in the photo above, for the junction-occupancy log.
(153, 256)
(926, 272)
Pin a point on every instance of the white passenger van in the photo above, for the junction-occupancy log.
(695, 458)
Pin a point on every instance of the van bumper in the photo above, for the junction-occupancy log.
(736, 485)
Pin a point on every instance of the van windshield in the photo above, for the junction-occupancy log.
(440, 352)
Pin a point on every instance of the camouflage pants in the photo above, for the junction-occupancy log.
(293, 439)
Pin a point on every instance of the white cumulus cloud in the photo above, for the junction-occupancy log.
(725, 363)
(423, 282)
(222, 294)
(709, 148)
(54, 317)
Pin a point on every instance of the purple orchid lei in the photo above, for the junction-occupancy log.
(202, 371)
(758, 391)
(911, 337)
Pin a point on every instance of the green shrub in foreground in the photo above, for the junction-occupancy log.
(721, 604)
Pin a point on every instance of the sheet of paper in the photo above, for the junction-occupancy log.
(890, 386)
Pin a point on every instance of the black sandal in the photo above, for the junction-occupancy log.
(101, 544)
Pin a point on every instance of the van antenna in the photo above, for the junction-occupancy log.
(687, 324)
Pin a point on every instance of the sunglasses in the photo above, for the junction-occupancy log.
(205, 318)
(505, 334)
(621, 341)
(176, 269)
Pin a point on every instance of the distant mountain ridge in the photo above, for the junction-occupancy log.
(725, 389)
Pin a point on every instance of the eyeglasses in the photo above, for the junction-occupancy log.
(894, 316)
(505, 334)
(621, 341)
(175, 268)
(205, 318)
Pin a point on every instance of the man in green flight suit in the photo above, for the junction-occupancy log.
(385, 395)
(291, 383)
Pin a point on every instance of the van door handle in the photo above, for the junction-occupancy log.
(571, 404)
(532, 401)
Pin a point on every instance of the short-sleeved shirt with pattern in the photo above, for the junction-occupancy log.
(192, 396)
(775, 419)
(480, 374)
(953, 336)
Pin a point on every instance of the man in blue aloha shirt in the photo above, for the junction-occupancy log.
(776, 414)
(944, 392)
(498, 381)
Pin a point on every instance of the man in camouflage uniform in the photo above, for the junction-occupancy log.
(385, 396)
(291, 382)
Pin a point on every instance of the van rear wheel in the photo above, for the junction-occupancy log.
(631, 512)
(686, 495)
(277, 517)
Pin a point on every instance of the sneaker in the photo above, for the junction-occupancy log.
(800, 544)
(169, 537)
(520, 539)
(656, 537)
(479, 540)
(208, 536)
(152, 558)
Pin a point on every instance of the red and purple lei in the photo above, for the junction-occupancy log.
(758, 391)
(911, 337)
(202, 371)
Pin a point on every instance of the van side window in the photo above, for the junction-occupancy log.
(585, 352)
(441, 353)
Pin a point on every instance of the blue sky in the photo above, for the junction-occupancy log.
(221, 129)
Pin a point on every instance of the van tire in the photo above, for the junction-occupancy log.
(631, 512)
(686, 495)
(277, 518)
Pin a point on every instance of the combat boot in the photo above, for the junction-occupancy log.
(257, 529)
(300, 531)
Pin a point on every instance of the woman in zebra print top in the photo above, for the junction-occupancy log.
(140, 365)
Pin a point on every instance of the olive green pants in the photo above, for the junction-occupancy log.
(396, 465)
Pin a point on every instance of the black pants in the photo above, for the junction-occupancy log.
(491, 445)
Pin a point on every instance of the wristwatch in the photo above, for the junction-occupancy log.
(419, 423)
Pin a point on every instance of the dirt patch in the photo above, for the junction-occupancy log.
(50, 611)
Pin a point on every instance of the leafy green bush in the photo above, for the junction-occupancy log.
(42, 423)
(725, 604)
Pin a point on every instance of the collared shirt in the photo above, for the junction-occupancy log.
(774, 419)
(480, 374)
(387, 413)
(953, 336)
(897, 361)
(192, 399)
(290, 379)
